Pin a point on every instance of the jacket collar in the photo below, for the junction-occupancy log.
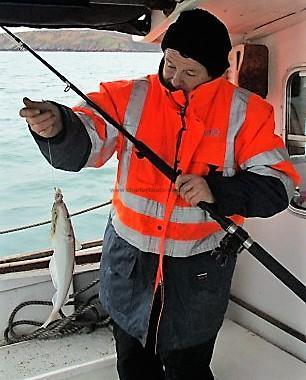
(199, 97)
(204, 93)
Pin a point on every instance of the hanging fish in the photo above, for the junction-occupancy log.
(62, 261)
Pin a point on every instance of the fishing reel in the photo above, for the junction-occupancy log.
(229, 246)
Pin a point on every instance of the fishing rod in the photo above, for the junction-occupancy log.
(256, 250)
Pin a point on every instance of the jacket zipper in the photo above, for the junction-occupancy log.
(180, 134)
(178, 144)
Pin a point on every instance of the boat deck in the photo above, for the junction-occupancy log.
(239, 355)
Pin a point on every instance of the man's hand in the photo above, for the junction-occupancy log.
(193, 189)
(43, 117)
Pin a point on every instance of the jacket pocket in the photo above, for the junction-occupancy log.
(142, 171)
(210, 287)
(208, 277)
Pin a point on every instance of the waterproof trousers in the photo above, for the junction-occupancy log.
(135, 362)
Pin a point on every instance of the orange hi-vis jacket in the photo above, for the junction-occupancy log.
(219, 124)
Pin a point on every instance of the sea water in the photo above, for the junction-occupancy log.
(26, 179)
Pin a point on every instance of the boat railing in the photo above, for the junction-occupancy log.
(16, 229)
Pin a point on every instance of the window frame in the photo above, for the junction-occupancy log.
(297, 203)
(286, 114)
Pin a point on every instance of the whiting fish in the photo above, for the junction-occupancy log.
(62, 261)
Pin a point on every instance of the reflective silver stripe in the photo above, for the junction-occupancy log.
(101, 149)
(180, 248)
(175, 248)
(262, 162)
(271, 157)
(131, 122)
(236, 119)
(145, 243)
(286, 180)
(157, 210)
(190, 215)
(142, 205)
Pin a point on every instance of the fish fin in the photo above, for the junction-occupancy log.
(53, 272)
(78, 245)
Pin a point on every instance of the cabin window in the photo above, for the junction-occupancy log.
(296, 134)
(296, 113)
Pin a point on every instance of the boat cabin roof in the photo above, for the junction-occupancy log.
(141, 17)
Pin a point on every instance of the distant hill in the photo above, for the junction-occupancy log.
(77, 40)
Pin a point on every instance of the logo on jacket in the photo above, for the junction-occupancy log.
(212, 132)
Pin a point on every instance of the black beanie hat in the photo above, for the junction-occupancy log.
(199, 35)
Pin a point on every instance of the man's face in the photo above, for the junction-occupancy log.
(182, 73)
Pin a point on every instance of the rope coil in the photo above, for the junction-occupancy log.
(61, 327)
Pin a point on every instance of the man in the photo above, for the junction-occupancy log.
(160, 280)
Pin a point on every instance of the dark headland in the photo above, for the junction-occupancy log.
(77, 40)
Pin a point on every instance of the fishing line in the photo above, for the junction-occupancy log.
(53, 174)
(53, 170)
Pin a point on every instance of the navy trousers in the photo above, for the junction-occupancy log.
(135, 362)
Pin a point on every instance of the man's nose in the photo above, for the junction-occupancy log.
(176, 80)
